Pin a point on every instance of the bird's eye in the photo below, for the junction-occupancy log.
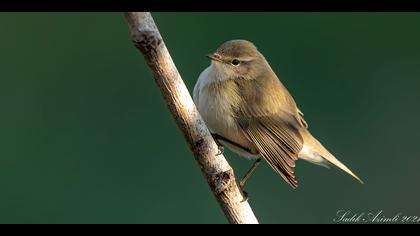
(236, 62)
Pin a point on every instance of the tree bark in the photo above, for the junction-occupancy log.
(217, 171)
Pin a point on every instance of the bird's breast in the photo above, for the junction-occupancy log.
(216, 106)
(217, 103)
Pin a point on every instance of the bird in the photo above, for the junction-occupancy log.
(249, 110)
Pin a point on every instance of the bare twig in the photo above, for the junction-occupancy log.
(216, 169)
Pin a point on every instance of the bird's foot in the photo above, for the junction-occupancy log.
(244, 196)
(243, 192)
(221, 150)
(219, 145)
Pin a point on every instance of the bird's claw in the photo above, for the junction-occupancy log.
(221, 150)
(243, 192)
(245, 196)
(219, 145)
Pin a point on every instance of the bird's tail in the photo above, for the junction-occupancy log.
(315, 152)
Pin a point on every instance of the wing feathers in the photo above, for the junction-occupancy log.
(272, 123)
(278, 144)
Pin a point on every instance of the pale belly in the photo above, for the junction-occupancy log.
(216, 112)
(238, 142)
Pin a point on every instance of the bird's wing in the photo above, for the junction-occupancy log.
(278, 141)
(302, 121)
(272, 124)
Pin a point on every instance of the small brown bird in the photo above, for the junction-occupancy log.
(248, 109)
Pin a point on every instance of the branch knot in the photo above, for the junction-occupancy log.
(223, 181)
(147, 41)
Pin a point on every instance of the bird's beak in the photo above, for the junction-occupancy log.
(214, 57)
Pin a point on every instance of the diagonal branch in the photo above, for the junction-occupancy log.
(216, 169)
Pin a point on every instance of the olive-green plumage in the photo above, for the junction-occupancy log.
(240, 98)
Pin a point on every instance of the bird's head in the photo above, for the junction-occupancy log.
(236, 59)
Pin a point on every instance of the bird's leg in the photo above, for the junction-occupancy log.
(249, 173)
(220, 146)
(246, 177)
(219, 138)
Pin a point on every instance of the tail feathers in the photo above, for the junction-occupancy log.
(331, 159)
(309, 155)
(314, 152)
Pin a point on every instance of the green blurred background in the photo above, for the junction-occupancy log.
(85, 136)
